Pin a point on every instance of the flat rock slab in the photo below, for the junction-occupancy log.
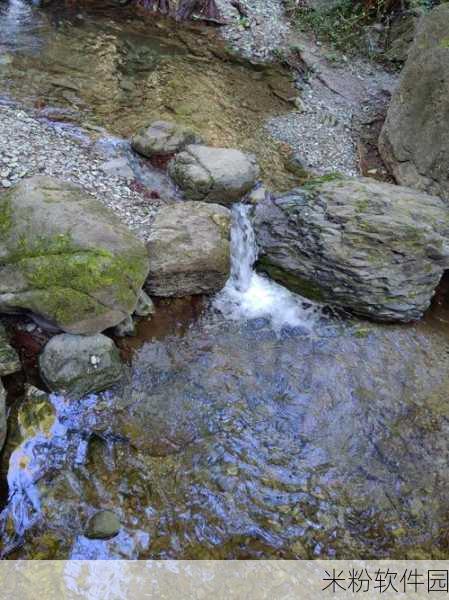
(67, 259)
(221, 175)
(374, 248)
(189, 249)
(76, 365)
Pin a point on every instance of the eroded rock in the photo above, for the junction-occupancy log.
(66, 259)
(221, 175)
(374, 248)
(78, 365)
(189, 248)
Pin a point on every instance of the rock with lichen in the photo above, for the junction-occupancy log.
(376, 249)
(77, 365)
(65, 259)
(220, 175)
(163, 138)
(189, 245)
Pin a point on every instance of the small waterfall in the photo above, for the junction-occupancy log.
(248, 295)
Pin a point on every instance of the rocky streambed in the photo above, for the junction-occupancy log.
(239, 420)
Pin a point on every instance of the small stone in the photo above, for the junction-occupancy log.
(125, 328)
(103, 525)
(145, 306)
(78, 365)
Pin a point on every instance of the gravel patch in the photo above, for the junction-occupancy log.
(30, 146)
(261, 34)
(324, 133)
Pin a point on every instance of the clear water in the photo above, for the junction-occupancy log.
(250, 428)
(248, 295)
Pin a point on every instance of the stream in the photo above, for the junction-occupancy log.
(254, 424)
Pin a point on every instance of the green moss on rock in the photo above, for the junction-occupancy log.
(301, 286)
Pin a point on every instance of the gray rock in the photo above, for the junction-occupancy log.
(414, 142)
(189, 249)
(67, 259)
(3, 424)
(78, 365)
(374, 248)
(163, 138)
(125, 328)
(221, 175)
(118, 167)
(103, 525)
(145, 306)
(9, 359)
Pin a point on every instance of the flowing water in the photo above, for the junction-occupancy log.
(250, 426)
(110, 68)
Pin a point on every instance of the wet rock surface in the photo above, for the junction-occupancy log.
(9, 359)
(220, 175)
(66, 258)
(3, 424)
(77, 365)
(374, 248)
(414, 141)
(103, 525)
(189, 249)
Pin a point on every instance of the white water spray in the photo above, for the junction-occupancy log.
(248, 295)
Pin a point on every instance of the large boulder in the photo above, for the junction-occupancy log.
(414, 141)
(374, 248)
(2, 415)
(66, 259)
(189, 249)
(163, 138)
(221, 175)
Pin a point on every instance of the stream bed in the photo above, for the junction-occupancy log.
(250, 425)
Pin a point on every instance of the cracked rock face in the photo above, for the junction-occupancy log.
(78, 365)
(66, 259)
(221, 175)
(414, 141)
(376, 249)
(189, 249)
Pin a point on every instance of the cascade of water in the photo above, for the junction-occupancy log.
(248, 295)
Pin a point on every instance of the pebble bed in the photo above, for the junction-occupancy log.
(30, 146)
(260, 35)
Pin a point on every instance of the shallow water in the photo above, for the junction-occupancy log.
(244, 438)
(251, 425)
(117, 70)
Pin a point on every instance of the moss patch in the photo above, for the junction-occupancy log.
(301, 286)
(5, 216)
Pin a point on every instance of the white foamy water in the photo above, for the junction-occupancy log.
(248, 295)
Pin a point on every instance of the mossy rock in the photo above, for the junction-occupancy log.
(66, 259)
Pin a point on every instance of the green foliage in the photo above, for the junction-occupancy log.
(342, 24)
